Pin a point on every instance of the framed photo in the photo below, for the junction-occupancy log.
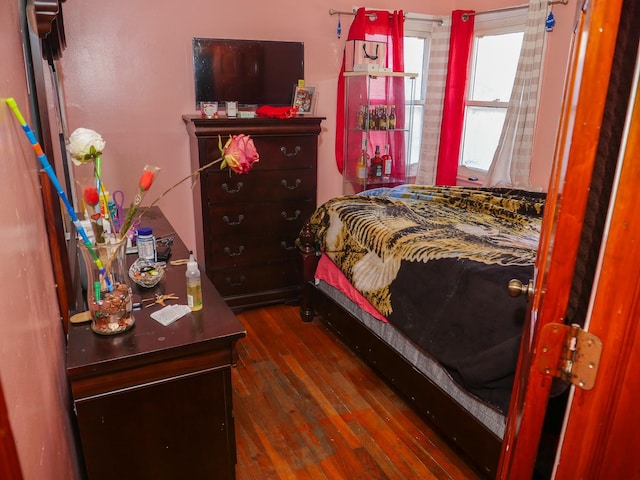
(304, 99)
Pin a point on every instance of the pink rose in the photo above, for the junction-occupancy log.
(239, 154)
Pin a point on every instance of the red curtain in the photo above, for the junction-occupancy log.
(454, 97)
(377, 26)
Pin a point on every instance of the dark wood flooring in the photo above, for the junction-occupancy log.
(307, 408)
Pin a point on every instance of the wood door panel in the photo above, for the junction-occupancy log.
(584, 103)
(602, 435)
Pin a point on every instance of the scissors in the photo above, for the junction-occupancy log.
(118, 199)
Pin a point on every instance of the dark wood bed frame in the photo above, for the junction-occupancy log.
(479, 444)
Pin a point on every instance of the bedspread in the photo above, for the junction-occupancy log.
(436, 262)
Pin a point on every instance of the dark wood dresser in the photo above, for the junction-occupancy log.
(155, 402)
(250, 222)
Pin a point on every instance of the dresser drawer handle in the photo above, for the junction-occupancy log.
(284, 246)
(227, 251)
(233, 224)
(235, 284)
(286, 185)
(239, 186)
(290, 219)
(297, 150)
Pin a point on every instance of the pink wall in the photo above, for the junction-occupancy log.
(32, 346)
(127, 73)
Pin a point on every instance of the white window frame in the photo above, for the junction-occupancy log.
(420, 26)
(497, 23)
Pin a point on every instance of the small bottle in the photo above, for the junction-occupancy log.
(146, 244)
(387, 162)
(383, 120)
(360, 118)
(391, 122)
(361, 168)
(373, 119)
(376, 164)
(194, 287)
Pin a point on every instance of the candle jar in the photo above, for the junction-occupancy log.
(109, 296)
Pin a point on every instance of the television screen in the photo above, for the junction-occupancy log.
(251, 72)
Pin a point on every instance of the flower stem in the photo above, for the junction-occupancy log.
(191, 175)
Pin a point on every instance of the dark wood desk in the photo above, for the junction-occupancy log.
(155, 402)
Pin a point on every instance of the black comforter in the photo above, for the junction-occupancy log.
(436, 262)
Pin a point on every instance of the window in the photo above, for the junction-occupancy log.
(415, 49)
(492, 69)
(417, 42)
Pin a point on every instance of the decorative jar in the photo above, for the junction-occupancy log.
(109, 295)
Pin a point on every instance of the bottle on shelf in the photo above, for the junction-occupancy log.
(375, 171)
(194, 287)
(392, 118)
(373, 120)
(383, 121)
(387, 162)
(360, 117)
(361, 168)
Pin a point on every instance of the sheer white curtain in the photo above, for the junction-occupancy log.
(512, 159)
(434, 102)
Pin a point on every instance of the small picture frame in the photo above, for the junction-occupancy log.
(304, 99)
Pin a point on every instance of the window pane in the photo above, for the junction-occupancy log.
(416, 137)
(482, 130)
(496, 60)
(413, 63)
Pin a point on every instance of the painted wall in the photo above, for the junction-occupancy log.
(127, 73)
(32, 346)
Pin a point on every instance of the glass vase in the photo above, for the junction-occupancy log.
(109, 296)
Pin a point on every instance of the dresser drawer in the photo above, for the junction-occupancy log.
(245, 279)
(263, 220)
(276, 152)
(261, 186)
(253, 249)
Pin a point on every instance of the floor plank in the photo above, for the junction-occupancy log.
(307, 408)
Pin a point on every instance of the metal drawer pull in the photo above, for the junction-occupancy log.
(239, 185)
(227, 250)
(235, 284)
(284, 246)
(233, 224)
(297, 150)
(290, 219)
(285, 184)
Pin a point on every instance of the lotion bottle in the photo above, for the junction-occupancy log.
(194, 287)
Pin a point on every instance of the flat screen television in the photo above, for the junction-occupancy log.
(250, 72)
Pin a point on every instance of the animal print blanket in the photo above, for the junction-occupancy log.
(436, 262)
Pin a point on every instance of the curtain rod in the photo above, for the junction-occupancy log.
(439, 21)
(515, 7)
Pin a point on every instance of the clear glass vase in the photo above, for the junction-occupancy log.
(108, 291)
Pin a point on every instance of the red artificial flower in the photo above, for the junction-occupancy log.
(146, 180)
(239, 153)
(91, 196)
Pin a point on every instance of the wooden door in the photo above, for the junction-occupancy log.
(587, 100)
(602, 433)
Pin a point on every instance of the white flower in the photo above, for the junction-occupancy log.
(85, 145)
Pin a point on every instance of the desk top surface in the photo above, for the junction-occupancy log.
(215, 326)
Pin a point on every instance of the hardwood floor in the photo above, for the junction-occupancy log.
(307, 408)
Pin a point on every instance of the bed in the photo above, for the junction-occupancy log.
(414, 279)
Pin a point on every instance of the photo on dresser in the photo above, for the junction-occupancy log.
(304, 99)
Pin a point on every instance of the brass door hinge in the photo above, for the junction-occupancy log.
(569, 353)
